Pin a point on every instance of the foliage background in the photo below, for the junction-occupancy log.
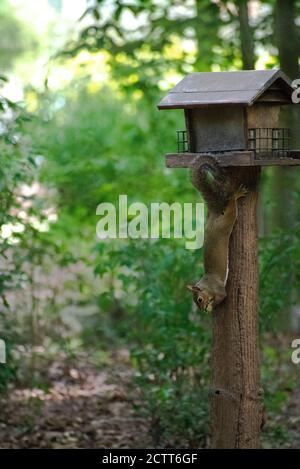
(79, 126)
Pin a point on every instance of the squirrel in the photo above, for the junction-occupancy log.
(221, 192)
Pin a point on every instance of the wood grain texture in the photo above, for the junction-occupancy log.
(202, 89)
(188, 160)
(212, 130)
(236, 397)
(242, 158)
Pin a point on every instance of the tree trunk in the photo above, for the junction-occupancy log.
(284, 179)
(285, 212)
(246, 36)
(286, 37)
(236, 400)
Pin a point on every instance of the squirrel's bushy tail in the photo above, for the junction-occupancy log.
(212, 181)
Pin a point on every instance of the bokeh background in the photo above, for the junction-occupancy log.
(104, 346)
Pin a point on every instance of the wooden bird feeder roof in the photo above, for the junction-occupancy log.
(242, 88)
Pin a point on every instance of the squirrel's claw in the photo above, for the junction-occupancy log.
(241, 192)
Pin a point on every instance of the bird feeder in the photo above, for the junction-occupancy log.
(234, 117)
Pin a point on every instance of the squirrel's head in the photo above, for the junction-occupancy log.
(202, 298)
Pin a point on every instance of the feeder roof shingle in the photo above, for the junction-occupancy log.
(202, 89)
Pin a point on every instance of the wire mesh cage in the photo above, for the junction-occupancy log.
(269, 142)
(182, 141)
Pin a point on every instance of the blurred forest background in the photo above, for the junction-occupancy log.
(104, 346)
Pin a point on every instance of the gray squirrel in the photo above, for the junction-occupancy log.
(221, 192)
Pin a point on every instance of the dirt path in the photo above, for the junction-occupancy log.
(82, 408)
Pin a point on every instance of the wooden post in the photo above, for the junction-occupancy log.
(236, 400)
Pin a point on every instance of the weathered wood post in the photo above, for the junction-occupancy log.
(236, 401)
(233, 118)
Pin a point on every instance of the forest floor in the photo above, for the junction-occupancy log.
(82, 407)
(290, 419)
(87, 406)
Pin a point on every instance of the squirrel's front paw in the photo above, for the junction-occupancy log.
(241, 192)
